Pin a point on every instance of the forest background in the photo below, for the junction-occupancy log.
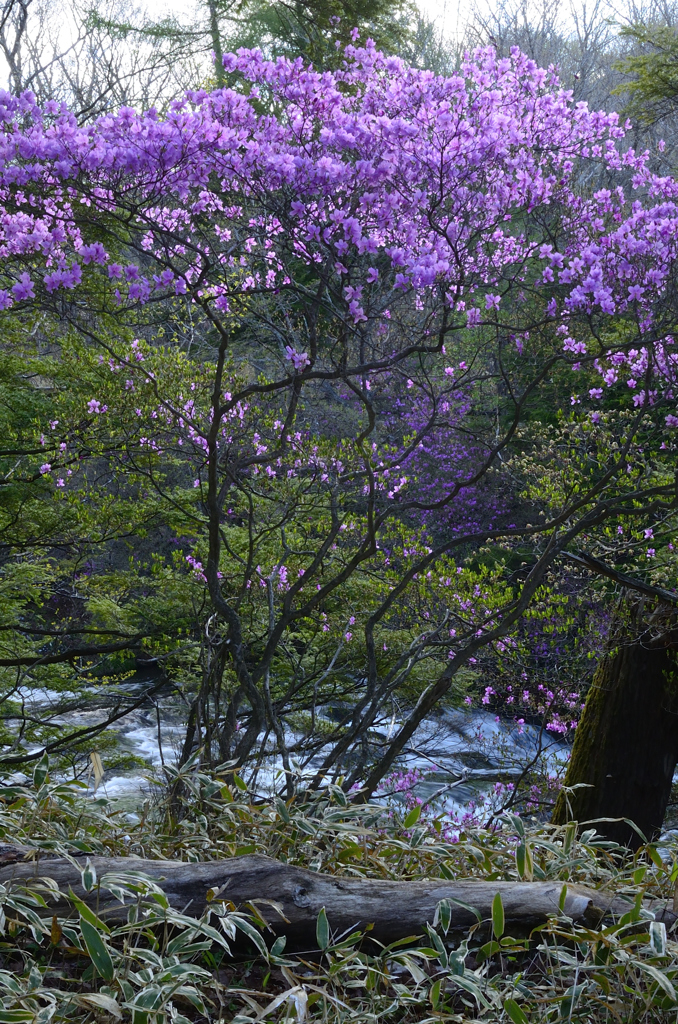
(492, 525)
(338, 402)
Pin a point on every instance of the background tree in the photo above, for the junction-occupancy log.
(311, 29)
(318, 257)
(580, 41)
(60, 51)
(651, 90)
(626, 746)
(93, 623)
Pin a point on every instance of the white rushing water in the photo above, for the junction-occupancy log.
(456, 759)
(457, 756)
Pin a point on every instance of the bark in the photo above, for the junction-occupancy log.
(626, 744)
(216, 43)
(395, 909)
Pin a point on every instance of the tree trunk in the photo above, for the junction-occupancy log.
(216, 43)
(626, 744)
(394, 909)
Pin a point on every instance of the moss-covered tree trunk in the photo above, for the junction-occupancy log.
(626, 745)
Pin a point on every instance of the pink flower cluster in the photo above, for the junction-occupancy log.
(387, 182)
(379, 159)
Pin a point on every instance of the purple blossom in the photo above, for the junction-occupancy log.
(23, 289)
(298, 359)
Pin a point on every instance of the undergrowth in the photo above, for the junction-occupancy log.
(162, 966)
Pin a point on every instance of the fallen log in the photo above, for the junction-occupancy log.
(393, 909)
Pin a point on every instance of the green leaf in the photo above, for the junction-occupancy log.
(435, 995)
(191, 993)
(488, 950)
(16, 1016)
(148, 998)
(305, 826)
(633, 915)
(465, 906)
(439, 945)
(514, 1012)
(443, 915)
(9, 982)
(86, 914)
(339, 795)
(252, 934)
(413, 817)
(660, 978)
(517, 823)
(322, 930)
(89, 876)
(282, 810)
(497, 916)
(655, 857)
(96, 948)
(183, 945)
(658, 937)
(101, 1002)
(40, 771)
(569, 836)
(524, 861)
(473, 988)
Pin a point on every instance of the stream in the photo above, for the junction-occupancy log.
(455, 760)
(460, 761)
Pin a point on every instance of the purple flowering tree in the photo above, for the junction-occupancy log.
(378, 241)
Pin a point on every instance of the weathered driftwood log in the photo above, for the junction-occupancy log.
(395, 909)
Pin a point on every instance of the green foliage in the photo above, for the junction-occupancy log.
(109, 491)
(81, 601)
(305, 28)
(152, 964)
(652, 68)
(290, 28)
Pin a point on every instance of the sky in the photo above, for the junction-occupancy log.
(444, 12)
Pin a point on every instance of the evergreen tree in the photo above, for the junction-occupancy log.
(652, 88)
(291, 28)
